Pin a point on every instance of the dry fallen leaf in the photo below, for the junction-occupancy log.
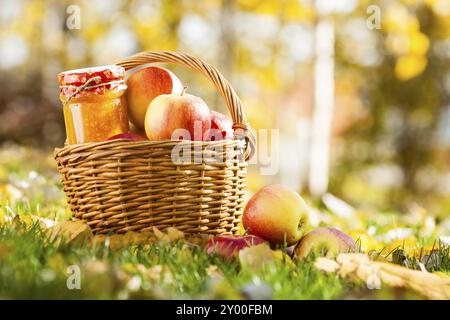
(119, 241)
(174, 234)
(161, 236)
(359, 258)
(27, 220)
(72, 232)
(376, 273)
(171, 235)
(327, 265)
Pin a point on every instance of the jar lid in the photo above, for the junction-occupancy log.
(90, 80)
(78, 77)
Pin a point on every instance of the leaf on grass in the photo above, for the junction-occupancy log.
(365, 241)
(160, 235)
(46, 223)
(71, 232)
(119, 241)
(349, 262)
(132, 238)
(171, 235)
(26, 221)
(327, 265)
(374, 273)
(370, 274)
(256, 257)
(174, 234)
(359, 258)
(197, 239)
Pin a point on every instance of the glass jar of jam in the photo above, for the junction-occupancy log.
(94, 103)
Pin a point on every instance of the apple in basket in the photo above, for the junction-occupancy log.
(145, 85)
(277, 214)
(177, 116)
(221, 127)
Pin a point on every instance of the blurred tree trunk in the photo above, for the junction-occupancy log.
(323, 106)
(228, 40)
(226, 51)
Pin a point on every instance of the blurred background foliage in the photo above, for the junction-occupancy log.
(390, 141)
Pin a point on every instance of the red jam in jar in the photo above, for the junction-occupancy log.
(94, 103)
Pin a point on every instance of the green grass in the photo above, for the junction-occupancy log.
(33, 268)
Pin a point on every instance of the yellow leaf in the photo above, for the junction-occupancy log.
(174, 234)
(409, 245)
(71, 232)
(171, 235)
(119, 241)
(27, 220)
(161, 236)
(131, 238)
(365, 241)
(327, 265)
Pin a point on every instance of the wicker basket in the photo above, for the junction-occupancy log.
(118, 186)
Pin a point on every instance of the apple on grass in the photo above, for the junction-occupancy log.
(175, 116)
(229, 246)
(221, 127)
(145, 85)
(277, 214)
(328, 242)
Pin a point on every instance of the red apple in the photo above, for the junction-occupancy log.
(229, 246)
(276, 214)
(145, 85)
(175, 116)
(128, 136)
(328, 242)
(221, 127)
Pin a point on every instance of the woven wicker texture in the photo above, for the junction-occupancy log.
(118, 186)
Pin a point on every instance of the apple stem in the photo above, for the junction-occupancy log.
(184, 90)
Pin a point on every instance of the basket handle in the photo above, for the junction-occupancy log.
(241, 127)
